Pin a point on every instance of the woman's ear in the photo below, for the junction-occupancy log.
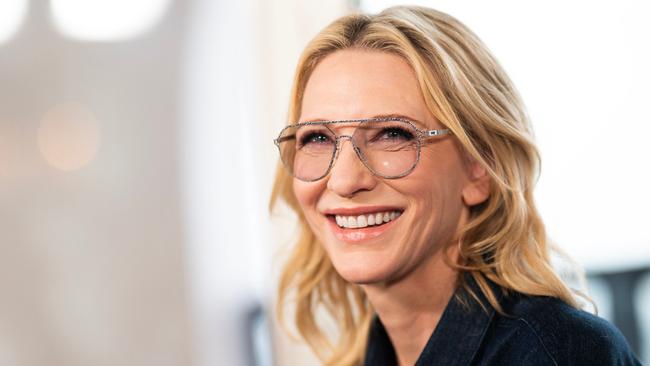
(477, 188)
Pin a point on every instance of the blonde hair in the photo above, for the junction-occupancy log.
(466, 90)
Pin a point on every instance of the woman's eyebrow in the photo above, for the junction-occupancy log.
(313, 120)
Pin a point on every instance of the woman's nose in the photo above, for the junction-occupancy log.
(348, 174)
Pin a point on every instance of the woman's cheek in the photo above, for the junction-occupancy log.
(303, 192)
(307, 194)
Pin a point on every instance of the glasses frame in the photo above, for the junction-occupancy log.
(421, 135)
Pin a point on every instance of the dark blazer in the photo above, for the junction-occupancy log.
(539, 331)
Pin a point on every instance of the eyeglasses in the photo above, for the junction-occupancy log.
(389, 147)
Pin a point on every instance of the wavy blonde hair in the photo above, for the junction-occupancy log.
(467, 91)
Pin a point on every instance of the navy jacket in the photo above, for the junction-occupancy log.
(538, 331)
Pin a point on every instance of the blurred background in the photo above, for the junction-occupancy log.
(136, 162)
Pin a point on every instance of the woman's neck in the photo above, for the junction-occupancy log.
(411, 308)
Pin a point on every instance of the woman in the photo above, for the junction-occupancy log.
(410, 164)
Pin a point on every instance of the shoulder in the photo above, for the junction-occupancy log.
(563, 334)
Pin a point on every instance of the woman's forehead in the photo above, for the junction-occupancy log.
(352, 84)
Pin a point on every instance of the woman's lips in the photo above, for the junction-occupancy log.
(358, 235)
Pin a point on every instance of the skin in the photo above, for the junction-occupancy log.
(402, 271)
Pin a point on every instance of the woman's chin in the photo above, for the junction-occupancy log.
(361, 273)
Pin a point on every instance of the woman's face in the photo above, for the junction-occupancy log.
(429, 204)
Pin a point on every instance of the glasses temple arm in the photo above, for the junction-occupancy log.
(432, 133)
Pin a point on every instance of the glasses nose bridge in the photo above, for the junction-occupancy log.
(350, 136)
(339, 138)
(339, 145)
(357, 151)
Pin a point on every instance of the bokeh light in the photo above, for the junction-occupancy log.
(106, 20)
(68, 136)
(12, 15)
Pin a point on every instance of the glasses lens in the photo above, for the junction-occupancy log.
(307, 150)
(390, 149)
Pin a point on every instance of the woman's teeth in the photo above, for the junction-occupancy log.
(354, 222)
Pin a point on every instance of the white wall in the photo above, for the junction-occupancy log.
(223, 186)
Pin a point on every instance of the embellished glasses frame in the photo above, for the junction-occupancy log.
(421, 134)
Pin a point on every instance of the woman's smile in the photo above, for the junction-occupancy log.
(359, 224)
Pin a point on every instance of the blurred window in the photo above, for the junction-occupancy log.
(106, 20)
(12, 15)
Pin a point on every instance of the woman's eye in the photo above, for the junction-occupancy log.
(394, 133)
(314, 138)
